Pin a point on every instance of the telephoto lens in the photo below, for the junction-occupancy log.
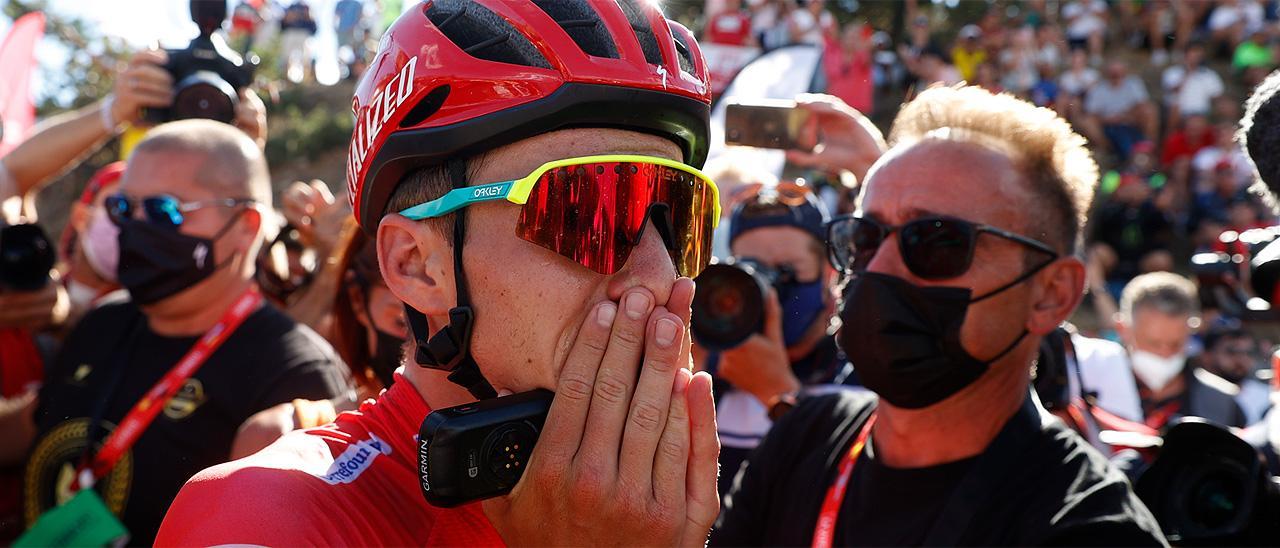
(728, 306)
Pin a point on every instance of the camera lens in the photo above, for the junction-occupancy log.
(26, 257)
(204, 94)
(728, 306)
(1215, 495)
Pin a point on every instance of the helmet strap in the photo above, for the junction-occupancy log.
(450, 348)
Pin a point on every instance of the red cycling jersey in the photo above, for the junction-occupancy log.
(352, 482)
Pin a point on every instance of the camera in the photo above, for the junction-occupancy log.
(1209, 487)
(207, 75)
(1239, 256)
(26, 257)
(728, 305)
(479, 450)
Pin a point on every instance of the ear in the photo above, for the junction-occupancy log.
(417, 265)
(1060, 289)
(79, 217)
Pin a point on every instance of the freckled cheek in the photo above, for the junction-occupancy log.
(528, 313)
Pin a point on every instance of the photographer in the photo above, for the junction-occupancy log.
(1233, 354)
(781, 228)
(189, 356)
(539, 242)
(960, 259)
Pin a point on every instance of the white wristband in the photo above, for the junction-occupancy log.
(109, 120)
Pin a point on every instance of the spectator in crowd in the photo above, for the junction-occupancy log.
(1018, 62)
(1225, 150)
(933, 66)
(810, 22)
(1157, 311)
(924, 427)
(89, 245)
(1169, 25)
(245, 18)
(769, 22)
(1118, 112)
(994, 34)
(968, 52)
(1232, 353)
(349, 23)
(1074, 85)
(368, 333)
(1230, 21)
(1216, 201)
(1132, 227)
(1086, 23)
(296, 29)
(1183, 143)
(1190, 88)
(1050, 50)
(191, 207)
(1254, 58)
(988, 77)
(795, 352)
(1046, 91)
(917, 41)
(848, 66)
(730, 26)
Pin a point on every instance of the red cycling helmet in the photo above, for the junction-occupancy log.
(453, 78)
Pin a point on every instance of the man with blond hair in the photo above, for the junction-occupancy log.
(960, 257)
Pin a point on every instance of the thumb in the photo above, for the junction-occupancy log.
(773, 317)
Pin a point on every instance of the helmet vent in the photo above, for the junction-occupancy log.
(644, 33)
(483, 34)
(682, 53)
(425, 107)
(581, 22)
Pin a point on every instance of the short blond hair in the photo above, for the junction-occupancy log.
(1042, 146)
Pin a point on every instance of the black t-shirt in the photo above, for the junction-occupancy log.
(269, 360)
(1132, 231)
(1058, 491)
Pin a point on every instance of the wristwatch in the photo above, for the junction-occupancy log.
(780, 404)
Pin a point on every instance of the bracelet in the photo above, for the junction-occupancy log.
(108, 120)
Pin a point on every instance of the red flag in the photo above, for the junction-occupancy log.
(17, 62)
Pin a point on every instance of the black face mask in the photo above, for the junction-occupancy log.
(904, 340)
(386, 358)
(158, 262)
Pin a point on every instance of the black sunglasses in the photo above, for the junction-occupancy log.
(161, 209)
(933, 248)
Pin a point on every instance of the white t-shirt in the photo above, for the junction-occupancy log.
(1197, 92)
(1078, 83)
(1249, 12)
(1107, 374)
(1207, 159)
(811, 29)
(1084, 17)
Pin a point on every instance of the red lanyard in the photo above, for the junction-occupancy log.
(145, 411)
(825, 530)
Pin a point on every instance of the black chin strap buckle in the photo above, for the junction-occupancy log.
(446, 349)
(449, 349)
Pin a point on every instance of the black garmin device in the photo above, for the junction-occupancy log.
(479, 450)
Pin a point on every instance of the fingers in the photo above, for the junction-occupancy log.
(773, 317)
(614, 382)
(671, 463)
(702, 500)
(251, 116)
(562, 435)
(652, 400)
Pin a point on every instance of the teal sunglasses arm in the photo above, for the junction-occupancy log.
(459, 198)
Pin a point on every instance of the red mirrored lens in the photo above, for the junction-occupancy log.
(594, 213)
